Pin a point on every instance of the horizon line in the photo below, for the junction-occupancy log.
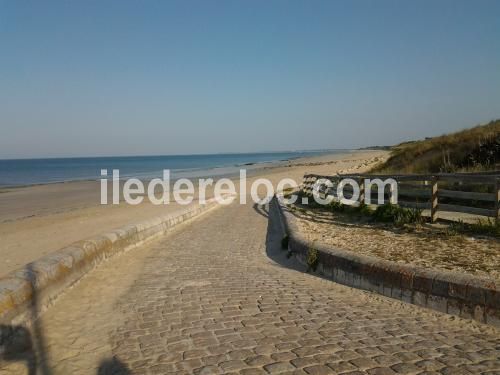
(193, 154)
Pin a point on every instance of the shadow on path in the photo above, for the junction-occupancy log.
(262, 210)
(274, 236)
(16, 345)
(20, 344)
(112, 366)
(28, 346)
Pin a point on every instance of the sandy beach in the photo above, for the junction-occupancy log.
(38, 220)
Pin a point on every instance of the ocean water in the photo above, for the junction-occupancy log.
(21, 172)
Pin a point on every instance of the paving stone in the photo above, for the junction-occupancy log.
(208, 370)
(451, 370)
(405, 368)
(380, 371)
(363, 363)
(240, 354)
(341, 367)
(283, 356)
(386, 360)
(253, 371)
(303, 362)
(232, 365)
(278, 367)
(318, 370)
(258, 360)
(232, 303)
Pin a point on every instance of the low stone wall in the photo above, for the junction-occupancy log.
(25, 292)
(457, 294)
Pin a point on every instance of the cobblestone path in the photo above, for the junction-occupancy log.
(219, 296)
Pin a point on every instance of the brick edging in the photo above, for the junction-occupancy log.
(453, 293)
(27, 291)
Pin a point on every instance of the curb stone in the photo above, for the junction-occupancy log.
(25, 292)
(463, 295)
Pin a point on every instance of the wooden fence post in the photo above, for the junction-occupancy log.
(497, 200)
(361, 191)
(434, 198)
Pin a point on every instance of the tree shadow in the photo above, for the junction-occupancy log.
(20, 344)
(274, 249)
(113, 366)
(16, 345)
(262, 210)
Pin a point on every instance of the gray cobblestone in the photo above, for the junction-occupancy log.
(217, 296)
(224, 298)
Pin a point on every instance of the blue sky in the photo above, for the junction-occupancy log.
(88, 78)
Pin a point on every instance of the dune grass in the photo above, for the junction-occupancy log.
(471, 150)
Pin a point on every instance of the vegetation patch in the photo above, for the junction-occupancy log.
(488, 227)
(288, 192)
(471, 150)
(398, 215)
(460, 247)
(312, 259)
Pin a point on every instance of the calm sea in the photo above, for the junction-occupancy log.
(21, 172)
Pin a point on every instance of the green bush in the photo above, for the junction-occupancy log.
(312, 259)
(488, 227)
(336, 206)
(363, 209)
(386, 213)
(390, 213)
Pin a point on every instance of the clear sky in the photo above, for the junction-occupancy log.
(88, 78)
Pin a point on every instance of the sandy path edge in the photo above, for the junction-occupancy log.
(28, 291)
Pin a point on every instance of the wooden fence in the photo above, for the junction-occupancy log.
(471, 193)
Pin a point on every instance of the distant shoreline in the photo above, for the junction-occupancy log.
(201, 172)
(59, 214)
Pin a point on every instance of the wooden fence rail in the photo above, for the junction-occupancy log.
(457, 192)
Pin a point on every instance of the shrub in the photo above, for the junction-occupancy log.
(488, 227)
(390, 213)
(336, 206)
(312, 259)
(385, 213)
(363, 209)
